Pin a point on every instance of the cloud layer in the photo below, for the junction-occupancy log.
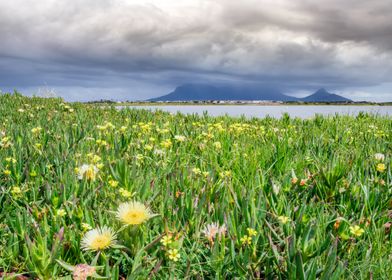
(139, 49)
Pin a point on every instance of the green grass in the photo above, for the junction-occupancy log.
(251, 163)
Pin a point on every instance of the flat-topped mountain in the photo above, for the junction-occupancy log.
(205, 92)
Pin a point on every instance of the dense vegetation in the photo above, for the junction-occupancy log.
(208, 197)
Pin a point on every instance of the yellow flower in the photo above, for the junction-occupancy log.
(217, 145)
(123, 129)
(98, 239)
(61, 212)
(36, 130)
(113, 183)
(251, 232)
(96, 159)
(166, 144)
(133, 213)
(148, 147)
(7, 172)
(173, 254)
(381, 167)
(125, 193)
(86, 226)
(246, 240)
(225, 174)
(10, 159)
(16, 191)
(356, 230)
(196, 171)
(166, 240)
(283, 219)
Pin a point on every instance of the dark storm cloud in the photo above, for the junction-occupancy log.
(116, 44)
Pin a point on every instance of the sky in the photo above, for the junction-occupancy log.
(134, 49)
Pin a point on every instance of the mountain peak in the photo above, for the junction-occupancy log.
(322, 91)
(322, 95)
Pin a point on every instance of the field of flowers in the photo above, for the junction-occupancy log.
(91, 192)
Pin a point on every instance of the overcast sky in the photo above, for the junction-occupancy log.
(135, 49)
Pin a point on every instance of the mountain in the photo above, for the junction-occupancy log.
(324, 96)
(203, 92)
(190, 92)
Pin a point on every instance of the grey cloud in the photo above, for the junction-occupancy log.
(118, 44)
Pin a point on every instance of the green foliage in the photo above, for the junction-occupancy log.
(301, 185)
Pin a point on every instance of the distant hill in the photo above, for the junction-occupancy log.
(190, 92)
(324, 96)
(205, 92)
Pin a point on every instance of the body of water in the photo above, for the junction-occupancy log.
(276, 111)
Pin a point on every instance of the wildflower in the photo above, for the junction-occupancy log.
(82, 271)
(86, 227)
(96, 159)
(16, 191)
(336, 225)
(166, 144)
(123, 129)
(5, 142)
(381, 167)
(196, 171)
(166, 240)
(217, 145)
(88, 171)
(133, 213)
(302, 182)
(139, 157)
(173, 254)
(251, 232)
(10, 159)
(179, 193)
(61, 212)
(125, 193)
(33, 173)
(225, 174)
(283, 219)
(7, 172)
(356, 230)
(113, 183)
(379, 157)
(246, 240)
(148, 147)
(98, 239)
(36, 130)
(180, 138)
(212, 230)
(159, 152)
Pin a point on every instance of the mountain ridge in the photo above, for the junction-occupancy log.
(206, 92)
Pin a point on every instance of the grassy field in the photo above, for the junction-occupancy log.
(130, 194)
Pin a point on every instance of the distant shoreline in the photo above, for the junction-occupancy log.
(238, 103)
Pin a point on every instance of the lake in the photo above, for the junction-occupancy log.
(276, 111)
